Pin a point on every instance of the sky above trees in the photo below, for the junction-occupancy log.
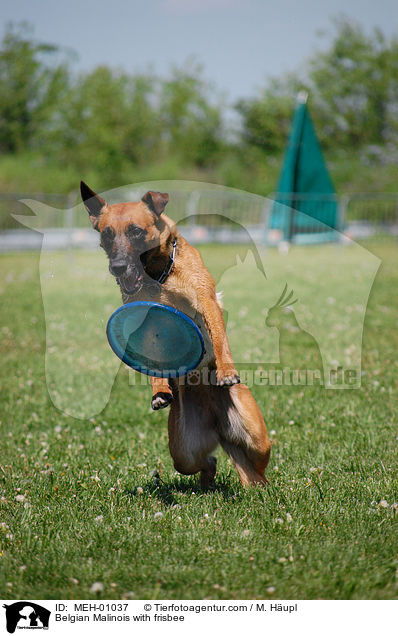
(240, 43)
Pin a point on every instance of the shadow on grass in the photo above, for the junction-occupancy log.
(166, 491)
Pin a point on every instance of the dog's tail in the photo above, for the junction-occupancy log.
(242, 432)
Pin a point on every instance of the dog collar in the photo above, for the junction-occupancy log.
(167, 269)
(169, 266)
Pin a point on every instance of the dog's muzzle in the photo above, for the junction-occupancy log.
(131, 280)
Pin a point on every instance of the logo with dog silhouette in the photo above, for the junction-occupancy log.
(26, 615)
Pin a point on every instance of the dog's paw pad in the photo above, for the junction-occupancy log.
(161, 400)
(229, 380)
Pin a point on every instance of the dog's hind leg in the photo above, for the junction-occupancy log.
(243, 432)
(192, 435)
(248, 473)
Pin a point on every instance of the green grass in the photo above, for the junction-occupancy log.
(90, 496)
(250, 170)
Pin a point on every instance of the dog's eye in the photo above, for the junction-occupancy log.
(107, 237)
(135, 232)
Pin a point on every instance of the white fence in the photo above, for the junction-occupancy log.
(212, 214)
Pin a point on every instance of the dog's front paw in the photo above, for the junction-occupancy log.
(227, 377)
(161, 400)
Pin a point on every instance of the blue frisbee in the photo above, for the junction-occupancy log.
(155, 339)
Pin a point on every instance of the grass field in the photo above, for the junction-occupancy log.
(80, 499)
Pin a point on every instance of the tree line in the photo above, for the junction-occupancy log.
(113, 120)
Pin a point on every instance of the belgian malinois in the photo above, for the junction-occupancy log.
(148, 255)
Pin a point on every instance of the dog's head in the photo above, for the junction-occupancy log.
(128, 232)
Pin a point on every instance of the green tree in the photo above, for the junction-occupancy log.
(266, 119)
(355, 86)
(192, 125)
(109, 122)
(31, 88)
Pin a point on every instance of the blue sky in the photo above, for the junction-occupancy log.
(240, 43)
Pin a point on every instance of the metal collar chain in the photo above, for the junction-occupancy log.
(169, 265)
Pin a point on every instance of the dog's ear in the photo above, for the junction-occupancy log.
(93, 204)
(156, 201)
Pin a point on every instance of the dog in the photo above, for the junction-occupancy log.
(149, 257)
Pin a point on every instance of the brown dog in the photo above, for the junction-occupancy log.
(149, 257)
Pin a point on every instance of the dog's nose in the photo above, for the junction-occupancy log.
(118, 269)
